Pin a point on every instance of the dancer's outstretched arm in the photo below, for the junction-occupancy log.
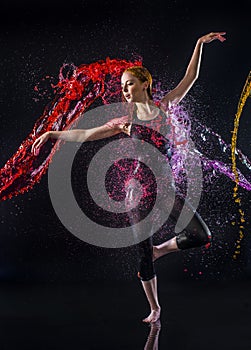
(114, 127)
(192, 71)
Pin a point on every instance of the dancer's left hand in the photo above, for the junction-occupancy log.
(212, 36)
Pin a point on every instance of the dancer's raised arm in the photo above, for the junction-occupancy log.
(192, 72)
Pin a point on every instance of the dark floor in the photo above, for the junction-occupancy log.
(88, 316)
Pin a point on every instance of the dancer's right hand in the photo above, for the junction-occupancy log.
(125, 128)
(39, 142)
(121, 124)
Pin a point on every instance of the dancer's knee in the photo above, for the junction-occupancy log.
(196, 234)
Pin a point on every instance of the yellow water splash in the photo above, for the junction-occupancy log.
(246, 92)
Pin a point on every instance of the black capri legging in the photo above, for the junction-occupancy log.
(195, 234)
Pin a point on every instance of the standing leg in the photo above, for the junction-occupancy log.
(145, 249)
(149, 279)
(150, 288)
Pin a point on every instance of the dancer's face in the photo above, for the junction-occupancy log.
(133, 89)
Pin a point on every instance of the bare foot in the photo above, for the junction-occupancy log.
(153, 317)
(165, 248)
(156, 253)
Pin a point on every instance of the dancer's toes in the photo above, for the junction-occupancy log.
(153, 317)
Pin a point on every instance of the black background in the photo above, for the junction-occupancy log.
(36, 39)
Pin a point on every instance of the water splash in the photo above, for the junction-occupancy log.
(77, 89)
(246, 92)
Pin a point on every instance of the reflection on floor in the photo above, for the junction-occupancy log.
(87, 316)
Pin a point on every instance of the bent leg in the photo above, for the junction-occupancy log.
(195, 234)
(165, 248)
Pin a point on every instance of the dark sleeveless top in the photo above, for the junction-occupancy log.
(154, 131)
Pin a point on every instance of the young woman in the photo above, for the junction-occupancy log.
(136, 83)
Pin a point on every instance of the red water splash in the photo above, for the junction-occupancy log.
(76, 90)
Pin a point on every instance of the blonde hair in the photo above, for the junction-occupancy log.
(143, 75)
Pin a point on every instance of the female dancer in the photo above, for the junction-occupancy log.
(136, 83)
